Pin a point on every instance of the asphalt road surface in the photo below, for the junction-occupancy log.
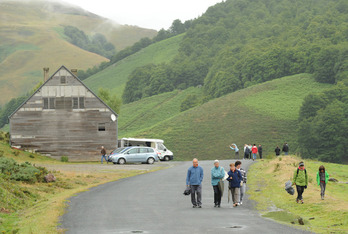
(154, 203)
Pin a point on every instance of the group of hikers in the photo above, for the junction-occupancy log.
(251, 151)
(237, 178)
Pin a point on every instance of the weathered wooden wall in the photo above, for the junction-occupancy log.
(64, 131)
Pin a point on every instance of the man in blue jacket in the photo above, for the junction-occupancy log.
(194, 179)
(234, 177)
(217, 173)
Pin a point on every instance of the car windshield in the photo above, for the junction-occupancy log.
(118, 150)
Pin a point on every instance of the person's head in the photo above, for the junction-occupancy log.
(254, 144)
(232, 167)
(238, 164)
(216, 163)
(259, 144)
(102, 147)
(195, 162)
(321, 168)
(250, 144)
(277, 146)
(301, 165)
(245, 145)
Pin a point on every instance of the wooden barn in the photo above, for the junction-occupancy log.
(64, 118)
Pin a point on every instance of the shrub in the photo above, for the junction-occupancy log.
(15, 153)
(1, 153)
(31, 156)
(64, 159)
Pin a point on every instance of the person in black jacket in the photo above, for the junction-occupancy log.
(260, 151)
(277, 151)
(286, 148)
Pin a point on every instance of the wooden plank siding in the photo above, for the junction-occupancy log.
(63, 130)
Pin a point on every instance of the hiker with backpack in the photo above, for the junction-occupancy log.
(250, 151)
(234, 178)
(322, 179)
(217, 174)
(300, 179)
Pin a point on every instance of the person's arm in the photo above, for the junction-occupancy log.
(188, 177)
(326, 177)
(306, 177)
(215, 174)
(295, 177)
(318, 178)
(222, 173)
(229, 177)
(240, 176)
(202, 175)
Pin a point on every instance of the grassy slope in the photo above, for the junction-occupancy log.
(31, 38)
(330, 215)
(253, 115)
(116, 75)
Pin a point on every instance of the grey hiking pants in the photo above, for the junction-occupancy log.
(242, 191)
(322, 188)
(235, 195)
(196, 189)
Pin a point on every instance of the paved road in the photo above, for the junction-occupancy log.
(154, 203)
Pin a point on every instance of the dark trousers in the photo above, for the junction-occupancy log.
(196, 189)
(300, 190)
(246, 156)
(322, 188)
(217, 195)
(260, 154)
(250, 155)
(236, 154)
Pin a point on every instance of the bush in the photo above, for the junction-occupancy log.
(1, 153)
(16, 153)
(64, 159)
(31, 156)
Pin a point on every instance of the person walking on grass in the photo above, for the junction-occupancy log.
(250, 151)
(286, 149)
(103, 155)
(238, 165)
(300, 179)
(277, 151)
(254, 151)
(246, 151)
(234, 178)
(217, 173)
(194, 180)
(322, 179)
(260, 151)
(236, 150)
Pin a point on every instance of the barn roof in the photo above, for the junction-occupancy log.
(51, 78)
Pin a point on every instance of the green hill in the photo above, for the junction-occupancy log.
(266, 113)
(115, 76)
(31, 37)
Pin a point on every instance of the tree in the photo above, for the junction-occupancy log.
(112, 100)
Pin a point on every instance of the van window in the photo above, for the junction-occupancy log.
(160, 146)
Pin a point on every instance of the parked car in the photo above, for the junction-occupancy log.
(158, 144)
(134, 154)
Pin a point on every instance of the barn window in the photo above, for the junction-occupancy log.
(63, 79)
(101, 127)
(45, 102)
(81, 102)
(75, 103)
(52, 103)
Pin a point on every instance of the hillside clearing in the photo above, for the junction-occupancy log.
(266, 180)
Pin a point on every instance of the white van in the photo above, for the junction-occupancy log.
(164, 153)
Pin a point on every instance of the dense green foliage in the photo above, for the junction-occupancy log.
(323, 127)
(111, 100)
(96, 44)
(238, 43)
(176, 28)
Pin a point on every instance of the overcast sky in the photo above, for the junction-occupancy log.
(154, 14)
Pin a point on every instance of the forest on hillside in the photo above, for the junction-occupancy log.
(239, 43)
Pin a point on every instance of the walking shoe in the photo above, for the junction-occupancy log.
(218, 206)
(322, 197)
(241, 203)
(215, 205)
(199, 206)
(194, 206)
(302, 201)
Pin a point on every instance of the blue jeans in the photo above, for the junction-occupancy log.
(103, 156)
(254, 156)
(286, 153)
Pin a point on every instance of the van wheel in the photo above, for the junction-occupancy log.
(121, 161)
(150, 161)
(166, 158)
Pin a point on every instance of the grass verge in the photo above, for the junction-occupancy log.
(266, 180)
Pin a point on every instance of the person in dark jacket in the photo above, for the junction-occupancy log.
(246, 151)
(238, 165)
(103, 155)
(260, 151)
(277, 151)
(234, 177)
(286, 148)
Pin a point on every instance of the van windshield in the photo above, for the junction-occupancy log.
(160, 146)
